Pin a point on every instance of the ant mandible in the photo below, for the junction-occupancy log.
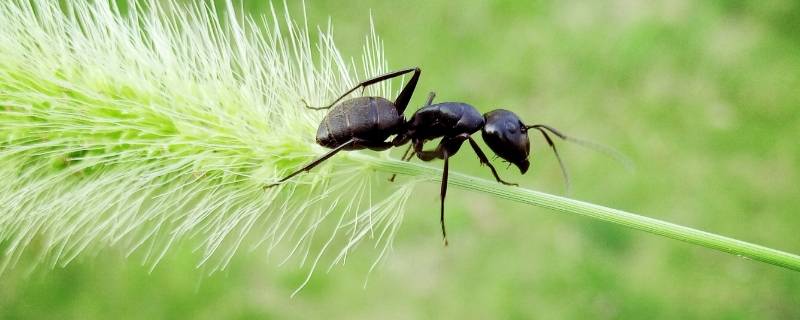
(367, 123)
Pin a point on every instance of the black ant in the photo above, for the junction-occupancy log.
(367, 123)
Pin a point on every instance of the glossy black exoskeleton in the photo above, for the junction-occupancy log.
(455, 122)
(362, 123)
(367, 123)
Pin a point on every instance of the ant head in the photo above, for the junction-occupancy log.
(507, 136)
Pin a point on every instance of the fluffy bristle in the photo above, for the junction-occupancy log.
(161, 126)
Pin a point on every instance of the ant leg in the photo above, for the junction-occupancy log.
(380, 78)
(401, 102)
(308, 106)
(314, 163)
(442, 153)
(448, 146)
(443, 194)
(431, 95)
(424, 155)
(408, 154)
(428, 155)
(484, 160)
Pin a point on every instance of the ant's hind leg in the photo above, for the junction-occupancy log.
(314, 163)
(308, 106)
(401, 102)
(405, 93)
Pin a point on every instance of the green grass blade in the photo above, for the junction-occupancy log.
(571, 206)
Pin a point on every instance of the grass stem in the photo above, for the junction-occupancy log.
(571, 206)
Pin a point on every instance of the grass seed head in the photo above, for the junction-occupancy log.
(159, 126)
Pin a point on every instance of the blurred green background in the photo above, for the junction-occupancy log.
(704, 96)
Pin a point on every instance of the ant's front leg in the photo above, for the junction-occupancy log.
(483, 159)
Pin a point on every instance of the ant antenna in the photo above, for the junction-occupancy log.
(542, 129)
(606, 150)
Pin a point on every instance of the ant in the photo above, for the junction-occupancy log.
(367, 123)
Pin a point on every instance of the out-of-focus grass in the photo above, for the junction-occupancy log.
(702, 95)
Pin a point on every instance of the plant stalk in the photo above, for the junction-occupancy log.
(566, 205)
